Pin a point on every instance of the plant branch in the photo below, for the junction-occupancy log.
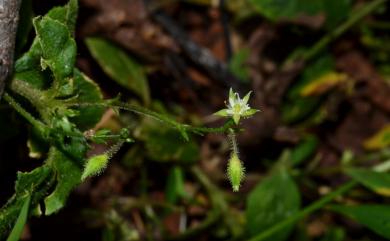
(33, 121)
(183, 128)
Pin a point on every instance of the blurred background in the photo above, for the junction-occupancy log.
(319, 71)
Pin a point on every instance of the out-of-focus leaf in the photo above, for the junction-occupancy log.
(334, 234)
(175, 185)
(20, 222)
(167, 144)
(379, 140)
(379, 182)
(237, 64)
(68, 176)
(334, 10)
(304, 149)
(273, 200)
(374, 217)
(323, 83)
(120, 66)
(298, 107)
(24, 25)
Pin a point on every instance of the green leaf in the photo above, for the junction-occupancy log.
(175, 185)
(304, 149)
(87, 91)
(274, 199)
(379, 182)
(166, 144)
(66, 14)
(34, 184)
(334, 10)
(380, 140)
(20, 222)
(68, 175)
(118, 65)
(334, 234)
(24, 26)
(58, 47)
(374, 217)
(237, 64)
(297, 107)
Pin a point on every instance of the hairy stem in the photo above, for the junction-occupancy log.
(162, 118)
(33, 121)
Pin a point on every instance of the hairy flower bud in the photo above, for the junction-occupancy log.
(235, 172)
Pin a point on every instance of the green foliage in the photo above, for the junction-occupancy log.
(379, 182)
(298, 107)
(273, 200)
(20, 222)
(174, 188)
(67, 174)
(304, 149)
(334, 10)
(238, 64)
(120, 66)
(374, 217)
(32, 185)
(164, 144)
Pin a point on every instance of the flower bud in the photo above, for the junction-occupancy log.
(95, 165)
(235, 172)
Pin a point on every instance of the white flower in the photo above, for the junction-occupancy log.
(237, 107)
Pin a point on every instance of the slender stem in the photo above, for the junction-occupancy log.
(160, 117)
(33, 121)
(353, 19)
(304, 212)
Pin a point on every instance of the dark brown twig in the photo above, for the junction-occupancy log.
(199, 55)
(9, 16)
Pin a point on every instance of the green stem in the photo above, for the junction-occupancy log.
(35, 96)
(33, 121)
(352, 20)
(162, 118)
(304, 212)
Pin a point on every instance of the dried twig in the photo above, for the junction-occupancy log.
(9, 16)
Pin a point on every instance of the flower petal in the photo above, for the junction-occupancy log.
(223, 113)
(236, 118)
(246, 97)
(249, 112)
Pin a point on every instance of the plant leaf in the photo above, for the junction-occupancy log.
(68, 175)
(58, 47)
(379, 182)
(87, 91)
(380, 140)
(375, 217)
(271, 201)
(20, 222)
(34, 184)
(118, 65)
